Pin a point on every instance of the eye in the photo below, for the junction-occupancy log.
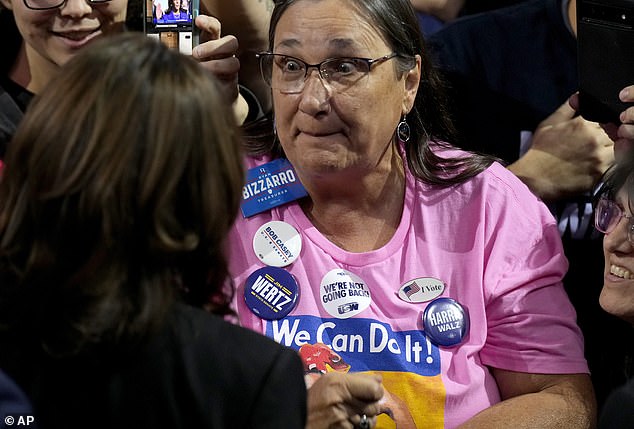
(342, 66)
(289, 65)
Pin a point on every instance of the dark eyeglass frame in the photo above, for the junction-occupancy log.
(615, 210)
(319, 66)
(59, 4)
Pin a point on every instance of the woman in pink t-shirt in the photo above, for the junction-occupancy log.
(419, 283)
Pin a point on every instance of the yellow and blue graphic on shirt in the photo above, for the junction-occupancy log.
(408, 362)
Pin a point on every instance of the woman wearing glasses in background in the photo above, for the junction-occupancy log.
(38, 36)
(419, 283)
(613, 217)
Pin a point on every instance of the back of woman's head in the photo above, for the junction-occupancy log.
(119, 188)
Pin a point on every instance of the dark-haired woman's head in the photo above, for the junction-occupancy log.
(111, 210)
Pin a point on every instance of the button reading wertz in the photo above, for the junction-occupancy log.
(271, 293)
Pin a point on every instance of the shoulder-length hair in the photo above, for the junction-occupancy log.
(119, 188)
(429, 119)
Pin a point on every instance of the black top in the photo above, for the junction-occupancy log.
(13, 98)
(618, 412)
(509, 69)
(200, 372)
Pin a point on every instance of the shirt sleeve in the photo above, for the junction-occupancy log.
(531, 324)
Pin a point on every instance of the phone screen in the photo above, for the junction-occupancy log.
(172, 22)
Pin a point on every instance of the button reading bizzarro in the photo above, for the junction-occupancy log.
(445, 321)
(271, 293)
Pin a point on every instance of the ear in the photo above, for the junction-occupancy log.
(6, 4)
(412, 81)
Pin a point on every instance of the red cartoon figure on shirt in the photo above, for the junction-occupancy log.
(321, 359)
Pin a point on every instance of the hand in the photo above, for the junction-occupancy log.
(337, 400)
(567, 156)
(624, 136)
(218, 55)
(397, 410)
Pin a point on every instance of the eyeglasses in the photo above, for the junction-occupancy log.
(288, 74)
(53, 4)
(607, 216)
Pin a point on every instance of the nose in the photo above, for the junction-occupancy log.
(316, 94)
(76, 8)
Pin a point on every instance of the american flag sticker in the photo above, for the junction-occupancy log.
(422, 289)
(411, 289)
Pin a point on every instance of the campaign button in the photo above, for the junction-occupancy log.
(422, 289)
(446, 322)
(277, 244)
(343, 294)
(271, 293)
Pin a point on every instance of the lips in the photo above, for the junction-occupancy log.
(78, 36)
(317, 133)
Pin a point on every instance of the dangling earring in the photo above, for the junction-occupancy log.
(403, 131)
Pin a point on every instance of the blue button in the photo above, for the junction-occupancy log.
(271, 293)
(445, 321)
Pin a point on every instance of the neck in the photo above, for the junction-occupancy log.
(364, 214)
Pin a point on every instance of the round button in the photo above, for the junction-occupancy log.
(446, 322)
(271, 293)
(277, 243)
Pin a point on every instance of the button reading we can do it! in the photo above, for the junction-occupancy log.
(277, 244)
(271, 293)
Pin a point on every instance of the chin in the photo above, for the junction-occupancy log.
(618, 305)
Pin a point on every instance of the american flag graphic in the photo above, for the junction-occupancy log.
(411, 289)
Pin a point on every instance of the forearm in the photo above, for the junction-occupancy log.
(539, 183)
(568, 404)
(248, 20)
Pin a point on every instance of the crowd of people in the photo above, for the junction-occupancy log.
(355, 223)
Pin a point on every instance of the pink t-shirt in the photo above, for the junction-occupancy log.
(488, 244)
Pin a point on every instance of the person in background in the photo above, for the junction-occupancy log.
(110, 247)
(248, 20)
(613, 217)
(175, 12)
(421, 284)
(511, 72)
(41, 35)
(433, 14)
(478, 6)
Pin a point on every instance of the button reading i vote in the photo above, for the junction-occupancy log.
(277, 243)
(445, 321)
(271, 293)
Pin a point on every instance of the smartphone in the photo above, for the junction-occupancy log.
(169, 21)
(605, 54)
